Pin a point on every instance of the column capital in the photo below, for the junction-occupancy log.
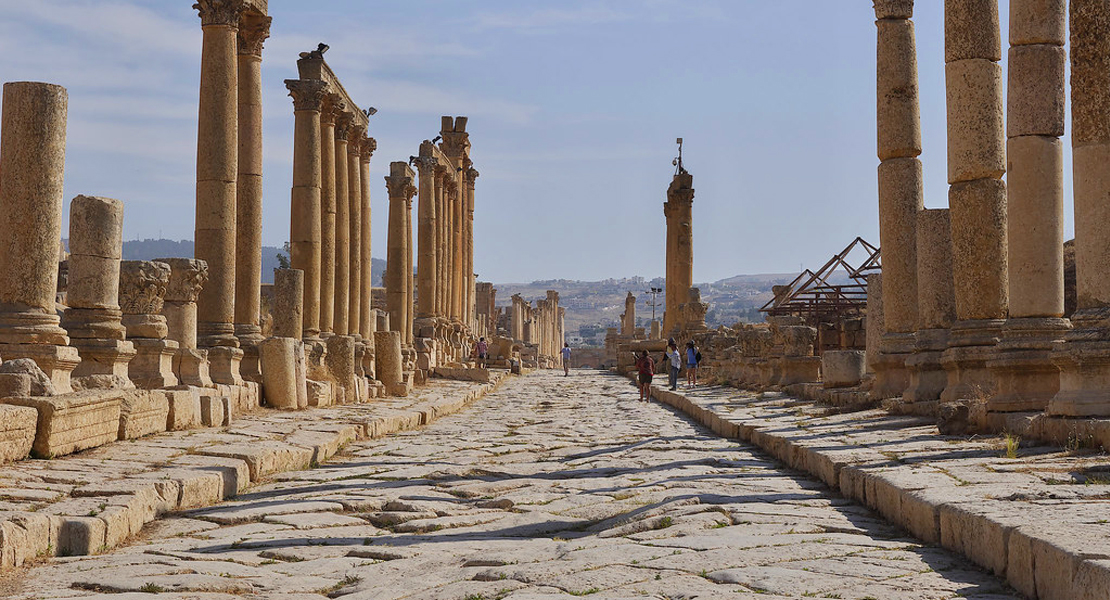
(399, 182)
(331, 107)
(893, 9)
(254, 29)
(343, 123)
(441, 174)
(355, 134)
(450, 183)
(219, 12)
(471, 177)
(455, 144)
(307, 94)
(369, 145)
(142, 286)
(427, 166)
(187, 277)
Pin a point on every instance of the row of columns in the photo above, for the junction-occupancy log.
(992, 326)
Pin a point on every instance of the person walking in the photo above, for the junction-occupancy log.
(482, 350)
(566, 360)
(693, 357)
(676, 363)
(645, 366)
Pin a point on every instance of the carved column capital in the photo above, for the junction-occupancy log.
(343, 123)
(142, 286)
(893, 9)
(355, 134)
(369, 145)
(455, 144)
(450, 184)
(441, 174)
(307, 94)
(187, 277)
(427, 166)
(330, 108)
(219, 12)
(254, 29)
(471, 177)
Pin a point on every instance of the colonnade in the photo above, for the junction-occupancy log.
(992, 326)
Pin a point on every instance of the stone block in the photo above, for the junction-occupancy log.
(152, 366)
(1092, 580)
(73, 422)
(842, 368)
(80, 536)
(1035, 199)
(462, 374)
(971, 30)
(279, 372)
(963, 529)
(975, 121)
(1091, 183)
(212, 409)
(1038, 22)
(264, 457)
(18, 425)
(979, 249)
(936, 303)
(1035, 98)
(319, 393)
(143, 412)
(340, 361)
(185, 412)
(893, 9)
(898, 117)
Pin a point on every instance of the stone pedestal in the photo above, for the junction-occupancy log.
(142, 291)
(279, 373)
(32, 147)
(971, 344)
(389, 363)
(1025, 377)
(936, 308)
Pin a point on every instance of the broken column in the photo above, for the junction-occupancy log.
(187, 278)
(936, 307)
(142, 291)
(32, 155)
(680, 247)
(1025, 377)
(283, 359)
(93, 318)
(254, 28)
(1084, 356)
(305, 234)
(389, 370)
(900, 190)
(977, 196)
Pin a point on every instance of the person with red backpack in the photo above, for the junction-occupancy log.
(645, 367)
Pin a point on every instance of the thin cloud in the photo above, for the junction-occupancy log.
(550, 19)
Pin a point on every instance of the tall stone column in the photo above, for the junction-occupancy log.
(367, 320)
(443, 220)
(1026, 378)
(410, 281)
(900, 190)
(977, 196)
(305, 232)
(217, 172)
(1084, 357)
(32, 154)
(679, 210)
(254, 28)
(332, 106)
(340, 323)
(355, 135)
(936, 306)
(468, 244)
(401, 190)
(93, 318)
(426, 239)
(186, 279)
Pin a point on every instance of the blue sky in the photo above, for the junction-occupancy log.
(574, 108)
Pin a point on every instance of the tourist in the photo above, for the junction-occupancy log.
(566, 360)
(645, 366)
(693, 357)
(482, 350)
(676, 363)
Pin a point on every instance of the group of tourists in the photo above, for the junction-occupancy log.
(690, 358)
(481, 354)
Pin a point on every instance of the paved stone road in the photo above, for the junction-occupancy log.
(551, 487)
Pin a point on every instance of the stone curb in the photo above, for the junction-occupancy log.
(1049, 561)
(100, 516)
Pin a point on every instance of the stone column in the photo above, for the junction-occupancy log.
(680, 248)
(217, 172)
(628, 325)
(1026, 379)
(397, 281)
(186, 279)
(900, 189)
(284, 383)
(32, 153)
(331, 108)
(305, 232)
(142, 290)
(458, 200)
(977, 196)
(1084, 358)
(366, 320)
(341, 322)
(936, 306)
(288, 303)
(355, 136)
(443, 224)
(389, 369)
(254, 28)
(410, 279)
(468, 245)
(426, 239)
(93, 318)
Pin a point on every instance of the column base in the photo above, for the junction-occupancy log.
(152, 367)
(223, 365)
(93, 323)
(891, 375)
(58, 362)
(32, 328)
(108, 357)
(970, 345)
(1084, 362)
(250, 336)
(1025, 377)
(927, 376)
(211, 335)
(190, 365)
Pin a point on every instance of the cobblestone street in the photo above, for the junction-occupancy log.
(550, 487)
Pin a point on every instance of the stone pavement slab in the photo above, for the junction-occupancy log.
(549, 487)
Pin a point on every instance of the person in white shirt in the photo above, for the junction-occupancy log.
(566, 360)
(676, 363)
